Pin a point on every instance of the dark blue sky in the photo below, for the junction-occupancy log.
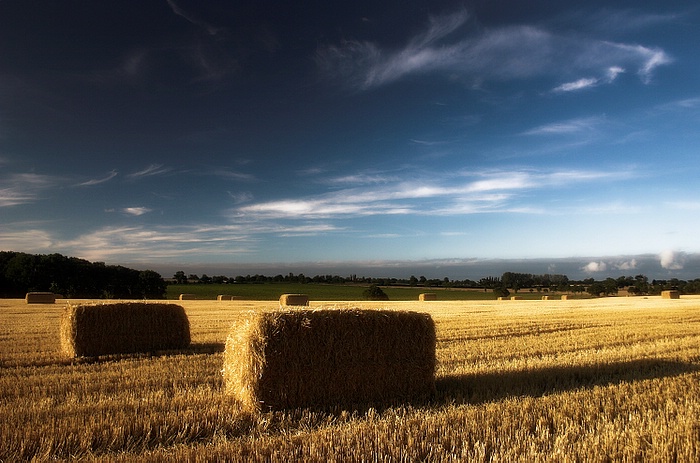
(174, 133)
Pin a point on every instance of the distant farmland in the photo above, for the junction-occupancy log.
(327, 292)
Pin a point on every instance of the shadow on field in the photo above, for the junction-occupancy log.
(478, 388)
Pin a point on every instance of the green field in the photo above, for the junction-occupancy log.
(323, 292)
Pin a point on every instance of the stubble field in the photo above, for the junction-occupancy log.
(614, 379)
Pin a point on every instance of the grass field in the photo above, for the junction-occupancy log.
(615, 379)
(326, 292)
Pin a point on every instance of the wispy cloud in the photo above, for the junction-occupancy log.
(98, 181)
(456, 195)
(136, 211)
(570, 126)
(153, 169)
(192, 18)
(17, 189)
(449, 45)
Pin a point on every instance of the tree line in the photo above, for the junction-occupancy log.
(508, 281)
(76, 278)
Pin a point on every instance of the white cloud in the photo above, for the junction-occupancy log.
(136, 210)
(570, 126)
(98, 181)
(627, 265)
(672, 260)
(448, 45)
(594, 267)
(456, 194)
(17, 189)
(153, 169)
(577, 85)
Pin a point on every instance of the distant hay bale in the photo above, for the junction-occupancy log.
(564, 297)
(545, 298)
(501, 298)
(228, 297)
(187, 297)
(516, 298)
(291, 300)
(317, 358)
(670, 294)
(89, 330)
(427, 297)
(38, 297)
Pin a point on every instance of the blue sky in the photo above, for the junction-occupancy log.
(371, 135)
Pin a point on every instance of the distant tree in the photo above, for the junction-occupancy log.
(151, 285)
(205, 279)
(375, 293)
(180, 277)
(501, 291)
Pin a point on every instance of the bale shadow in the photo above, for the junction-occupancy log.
(481, 388)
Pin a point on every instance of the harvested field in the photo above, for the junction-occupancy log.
(611, 379)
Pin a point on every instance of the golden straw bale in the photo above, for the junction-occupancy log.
(564, 297)
(40, 298)
(291, 300)
(427, 297)
(319, 358)
(516, 298)
(187, 297)
(670, 294)
(121, 328)
(224, 297)
(545, 298)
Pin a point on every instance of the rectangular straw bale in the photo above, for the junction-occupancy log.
(564, 297)
(545, 298)
(224, 297)
(187, 297)
(317, 358)
(516, 298)
(120, 328)
(427, 297)
(670, 294)
(290, 300)
(37, 297)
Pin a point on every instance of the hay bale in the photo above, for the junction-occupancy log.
(224, 297)
(545, 298)
(123, 328)
(187, 297)
(427, 297)
(38, 297)
(290, 300)
(501, 298)
(670, 294)
(317, 358)
(516, 298)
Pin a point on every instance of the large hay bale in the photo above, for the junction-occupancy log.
(228, 297)
(564, 297)
(122, 328)
(38, 297)
(187, 297)
(427, 297)
(516, 298)
(545, 298)
(670, 294)
(319, 358)
(291, 300)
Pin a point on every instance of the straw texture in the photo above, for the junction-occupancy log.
(317, 358)
(121, 328)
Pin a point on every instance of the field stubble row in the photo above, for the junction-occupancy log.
(613, 379)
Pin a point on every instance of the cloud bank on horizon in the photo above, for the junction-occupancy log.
(417, 132)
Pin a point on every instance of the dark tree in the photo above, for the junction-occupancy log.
(374, 293)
